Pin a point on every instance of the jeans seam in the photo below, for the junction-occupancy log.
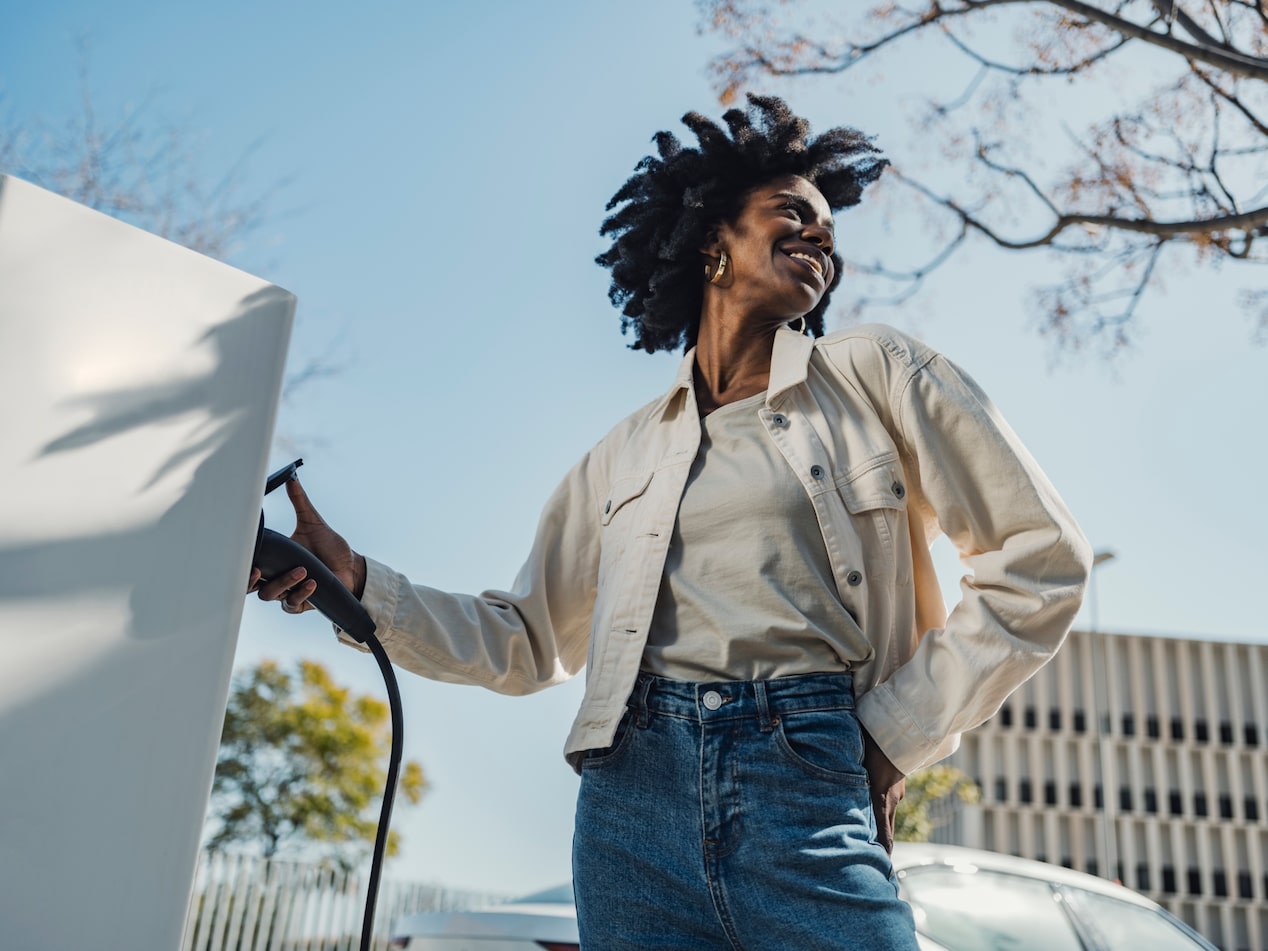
(720, 905)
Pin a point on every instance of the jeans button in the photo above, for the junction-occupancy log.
(712, 700)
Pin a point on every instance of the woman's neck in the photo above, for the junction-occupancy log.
(732, 360)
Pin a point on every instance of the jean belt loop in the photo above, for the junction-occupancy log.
(643, 689)
(764, 720)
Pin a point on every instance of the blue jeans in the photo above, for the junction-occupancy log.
(734, 816)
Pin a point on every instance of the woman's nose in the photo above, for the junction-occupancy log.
(819, 236)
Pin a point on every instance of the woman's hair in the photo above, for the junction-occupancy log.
(673, 201)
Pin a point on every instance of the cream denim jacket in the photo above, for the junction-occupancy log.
(894, 446)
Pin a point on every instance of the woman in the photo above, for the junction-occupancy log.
(742, 566)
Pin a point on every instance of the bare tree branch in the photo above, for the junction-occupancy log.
(1185, 166)
(1237, 63)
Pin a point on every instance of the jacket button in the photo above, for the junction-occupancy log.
(817, 471)
(899, 491)
(779, 419)
(608, 507)
(854, 579)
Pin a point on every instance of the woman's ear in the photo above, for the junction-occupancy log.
(712, 243)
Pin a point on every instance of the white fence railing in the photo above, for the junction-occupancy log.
(247, 903)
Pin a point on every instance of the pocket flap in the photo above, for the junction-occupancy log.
(877, 484)
(623, 490)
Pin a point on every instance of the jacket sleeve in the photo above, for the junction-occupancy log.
(1028, 564)
(514, 642)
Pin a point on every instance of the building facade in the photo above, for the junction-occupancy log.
(1140, 758)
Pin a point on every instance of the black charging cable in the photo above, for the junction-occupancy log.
(389, 791)
(276, 554)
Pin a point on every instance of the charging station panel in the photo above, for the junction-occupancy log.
(139, 384)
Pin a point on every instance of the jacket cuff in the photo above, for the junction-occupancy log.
(894, 729)
(380, 598)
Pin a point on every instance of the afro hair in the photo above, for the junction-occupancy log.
(676, 198)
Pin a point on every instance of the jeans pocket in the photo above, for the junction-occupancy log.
(826, 744)
(607, 755)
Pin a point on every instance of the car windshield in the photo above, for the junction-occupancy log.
(967, 909)
(1125, 927)
(559, 895)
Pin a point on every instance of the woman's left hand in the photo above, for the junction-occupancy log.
(888, 785)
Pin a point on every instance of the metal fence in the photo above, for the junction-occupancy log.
(247, 903)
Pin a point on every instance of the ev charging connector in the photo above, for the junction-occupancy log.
(276, 554)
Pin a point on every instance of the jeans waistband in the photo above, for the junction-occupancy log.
(764, 700)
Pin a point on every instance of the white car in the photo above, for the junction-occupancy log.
(544, 920)
(962, 899)
(969, 899)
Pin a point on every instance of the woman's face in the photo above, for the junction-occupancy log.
(779, 250)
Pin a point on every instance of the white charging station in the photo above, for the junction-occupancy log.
(139, 384)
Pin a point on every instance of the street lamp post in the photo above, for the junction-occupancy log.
(1104, 732)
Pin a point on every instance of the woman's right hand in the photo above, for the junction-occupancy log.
(292, 588)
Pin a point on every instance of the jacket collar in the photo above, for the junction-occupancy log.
(789, 365)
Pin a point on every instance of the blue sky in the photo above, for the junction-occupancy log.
(447, 169)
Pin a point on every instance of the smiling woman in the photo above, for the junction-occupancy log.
(676, 201)
(742, 568)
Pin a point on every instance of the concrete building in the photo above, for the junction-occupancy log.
(1140, 758)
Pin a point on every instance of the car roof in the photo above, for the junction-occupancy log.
(910, 856)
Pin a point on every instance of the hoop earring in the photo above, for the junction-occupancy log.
(717, 275)
(802, 329)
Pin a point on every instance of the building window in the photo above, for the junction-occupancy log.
(1200, 732)
(1151, 801)
(1067, 862)
(1076, 796)
(1152, 727)
(1050, 792)
(1129, 724)
(1031, 718)
(1142, 877)
(1245, 887)
(1001, 789)
(1177, 728)
(1005, 716)
(1094, 869)
(1219, 883)
(1199, 804)
(1168, 879)
(1195, 880)
(1125, 798)
(1054, 719)
(1226, 733)
(1226, 806)
(1250, 807)
(1175, 803)
(1098, 798)
(1080, 721)
(1023, 790)
(1250, 734)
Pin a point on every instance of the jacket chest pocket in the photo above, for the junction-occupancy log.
(622, 492)
(875, 496)
(621, 519)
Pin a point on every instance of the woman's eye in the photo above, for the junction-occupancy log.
(794, 209)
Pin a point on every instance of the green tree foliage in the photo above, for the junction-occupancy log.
(302, 766)
(927, 802)
(1118, 139)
